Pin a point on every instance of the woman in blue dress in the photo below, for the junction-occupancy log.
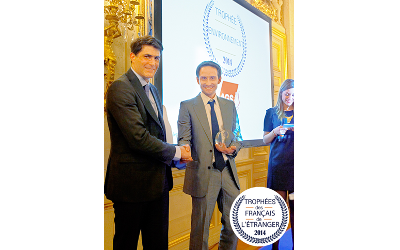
(281, 139)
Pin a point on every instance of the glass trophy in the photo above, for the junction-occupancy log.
(226, 137)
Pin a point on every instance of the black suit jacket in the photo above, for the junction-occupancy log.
(139, 157)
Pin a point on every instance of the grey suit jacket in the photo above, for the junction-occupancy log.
(139, 158)
(194, 129)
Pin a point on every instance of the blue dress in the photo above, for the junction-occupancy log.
(281, 155)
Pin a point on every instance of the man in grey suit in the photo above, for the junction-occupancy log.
(212, 176)
(138, 172)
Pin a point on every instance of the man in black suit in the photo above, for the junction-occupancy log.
(139, 167)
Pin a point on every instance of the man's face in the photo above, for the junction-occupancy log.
(208, 80)
(146, 62)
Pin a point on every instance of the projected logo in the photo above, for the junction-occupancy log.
(225, 38)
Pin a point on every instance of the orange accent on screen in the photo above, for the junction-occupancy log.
(228, 90)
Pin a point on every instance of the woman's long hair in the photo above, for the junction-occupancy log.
(287, 84)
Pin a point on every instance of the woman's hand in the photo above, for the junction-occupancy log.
(270, 136)
(278, 130)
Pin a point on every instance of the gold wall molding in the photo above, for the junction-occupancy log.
(241, 163)
(125, 14)
(246, 174)
(276, 54)
(281, 47)
(261, 151)
(177, 188)
(271, 8)
(108, 205)
(260, 167)
(279, 33)
(178, 173)
(260, 182)
(111, 32)
(179, 240)
(274, 9)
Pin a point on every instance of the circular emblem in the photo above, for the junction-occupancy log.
(225, 39)
(259, 216)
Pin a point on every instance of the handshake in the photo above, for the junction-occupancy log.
(186, 154)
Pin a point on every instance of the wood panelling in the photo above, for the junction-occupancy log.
(261, 182)
(276, 53)
(279, 57)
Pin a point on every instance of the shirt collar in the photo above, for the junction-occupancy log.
(141, 80)
(206, 98)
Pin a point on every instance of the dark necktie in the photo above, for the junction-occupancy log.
(219, 159)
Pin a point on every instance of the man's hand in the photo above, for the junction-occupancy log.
(186, 154)
(223, 149)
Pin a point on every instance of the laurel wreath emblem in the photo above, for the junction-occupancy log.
(265, 240)
(225, 72)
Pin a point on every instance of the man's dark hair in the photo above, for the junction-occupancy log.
(208, 63)
(137, 44)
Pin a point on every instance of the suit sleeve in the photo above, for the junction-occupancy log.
(184, 126)
(122, 105)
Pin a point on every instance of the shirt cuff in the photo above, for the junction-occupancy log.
(177, 154)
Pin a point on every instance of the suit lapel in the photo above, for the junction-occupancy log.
(200, 110)
(142, 95)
